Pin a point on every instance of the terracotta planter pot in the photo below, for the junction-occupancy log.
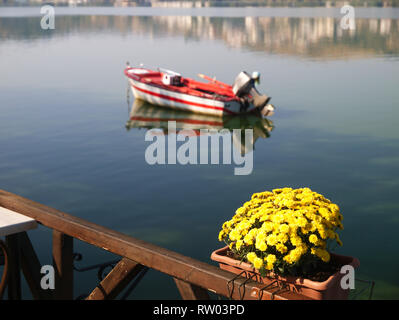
(329, 289)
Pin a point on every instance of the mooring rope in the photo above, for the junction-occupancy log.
(4, 278)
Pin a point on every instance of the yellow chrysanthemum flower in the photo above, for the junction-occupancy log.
(258, 263)
(271, 258)
(251, 256)
(239, 244)
(281, 248)
(284, 228)
(313, 239)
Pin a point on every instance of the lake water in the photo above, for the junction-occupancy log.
(67, 139)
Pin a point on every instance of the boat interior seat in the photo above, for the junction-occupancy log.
(151, 74)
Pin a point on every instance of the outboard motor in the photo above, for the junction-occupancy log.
(244, 86)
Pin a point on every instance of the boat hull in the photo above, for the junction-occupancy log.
(185, 102)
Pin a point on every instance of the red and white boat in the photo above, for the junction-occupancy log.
(168, 88)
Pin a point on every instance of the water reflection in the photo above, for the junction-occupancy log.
(311, 37)
(148, 116)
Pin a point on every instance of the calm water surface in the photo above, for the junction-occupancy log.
(67, 138)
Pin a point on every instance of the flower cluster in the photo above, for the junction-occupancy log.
(285, 231)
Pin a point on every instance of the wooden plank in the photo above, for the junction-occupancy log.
(63, 265)
(189, 291)
(31, 268)
(116, 280)
(14, 269)
(12, 222)
(174, 264)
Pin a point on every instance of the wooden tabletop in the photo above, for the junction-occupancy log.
(12, 222)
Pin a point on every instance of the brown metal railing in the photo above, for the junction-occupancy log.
(193, 278)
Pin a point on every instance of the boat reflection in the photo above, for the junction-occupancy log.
(149, 116)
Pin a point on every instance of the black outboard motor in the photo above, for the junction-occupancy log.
(244, 86)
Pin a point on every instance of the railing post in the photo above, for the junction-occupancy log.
(190, 291)
(63, 265)
(14, 267)
(119, 277)
(31, 268)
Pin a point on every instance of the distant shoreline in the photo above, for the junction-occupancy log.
(221, 12)
(199, 3)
